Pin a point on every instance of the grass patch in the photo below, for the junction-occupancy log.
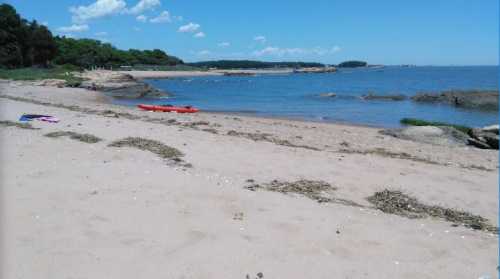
(420, 122)
(8, 123)
(398, 203)
(153, 146)
(87, 138)
(60, 72)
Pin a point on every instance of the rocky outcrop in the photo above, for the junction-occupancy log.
(473, 99)
(484, 138)
(119, 85)
(384, 97)
(442, 135)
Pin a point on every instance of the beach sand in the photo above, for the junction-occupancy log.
(72, 209)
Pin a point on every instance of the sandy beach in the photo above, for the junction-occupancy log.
(73, 209)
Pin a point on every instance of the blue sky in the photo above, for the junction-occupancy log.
(438, 32)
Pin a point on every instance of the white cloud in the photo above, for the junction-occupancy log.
(144, 5)
(141, 18)
(335, 49)
(162, 17)
(73, 28)
(199, 35)
(203, 53)
(46, 23)
(97, 9)
(101, 34)
(190, 28)
(260, 39)
(224, 44)
(280, 52)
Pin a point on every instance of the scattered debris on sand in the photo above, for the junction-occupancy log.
(196, 124)
(398, 203)
(406, 156)
(153, 146)
(87, 138)
(269, 138)
(8, 123)
(211, 130)
(238, 216)
(317, 190)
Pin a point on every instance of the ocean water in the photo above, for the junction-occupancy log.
(296, 95)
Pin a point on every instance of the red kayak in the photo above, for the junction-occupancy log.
(168, 108)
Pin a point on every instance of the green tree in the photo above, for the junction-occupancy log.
(23, 43)
(10, 48)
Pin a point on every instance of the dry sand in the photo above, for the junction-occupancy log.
(77, 210)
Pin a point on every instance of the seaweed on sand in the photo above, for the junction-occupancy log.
(8, 123)
(153, 146)
(269, 138)
(316, 190)
(87, 138)
(398, 203)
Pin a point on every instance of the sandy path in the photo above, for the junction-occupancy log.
(76, 210)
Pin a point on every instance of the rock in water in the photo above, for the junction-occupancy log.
(328, 95)
(384, 97)
(474, 99)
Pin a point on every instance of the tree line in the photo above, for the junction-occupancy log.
(25, 44)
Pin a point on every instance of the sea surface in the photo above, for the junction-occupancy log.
(296, 96)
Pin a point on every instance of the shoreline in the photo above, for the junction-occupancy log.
(214, 203)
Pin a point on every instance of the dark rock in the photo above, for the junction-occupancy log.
(492, 129)
(384, 97)
(485, 136)
(474, 99)
(478, 143)
(492, 140)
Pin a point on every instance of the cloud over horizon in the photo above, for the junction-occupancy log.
(260, 39)
(224, 44)
(281, 52)
(73, 28)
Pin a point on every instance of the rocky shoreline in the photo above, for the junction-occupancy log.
(119, 85)
(483, 138)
